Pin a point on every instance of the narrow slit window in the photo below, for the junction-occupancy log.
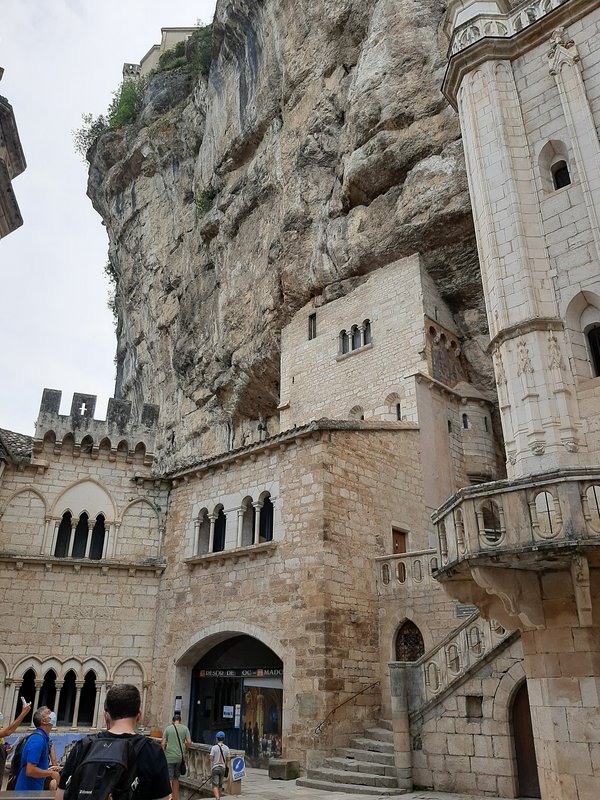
(560, 175)
(594, 342)
(312, 326)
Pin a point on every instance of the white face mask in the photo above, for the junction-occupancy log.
(52, 717)
(1, 716)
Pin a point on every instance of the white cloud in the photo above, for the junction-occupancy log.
(63, 58)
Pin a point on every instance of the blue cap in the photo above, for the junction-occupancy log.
(220, 735)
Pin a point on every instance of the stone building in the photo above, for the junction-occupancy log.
(283, 579)
(12, 164)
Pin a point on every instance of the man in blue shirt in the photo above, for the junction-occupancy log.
(36, 754)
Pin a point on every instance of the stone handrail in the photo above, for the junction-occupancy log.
(407, 570)
(457, 653)
(500, 25)
(522, 516)
(197, 776)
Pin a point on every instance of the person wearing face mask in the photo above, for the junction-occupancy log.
(35, 758)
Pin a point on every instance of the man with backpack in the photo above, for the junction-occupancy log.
(116, 762)
(34, 766)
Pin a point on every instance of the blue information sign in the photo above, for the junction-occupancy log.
(238, 768)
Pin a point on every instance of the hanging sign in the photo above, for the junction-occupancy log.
(238, 673)
(227, 712)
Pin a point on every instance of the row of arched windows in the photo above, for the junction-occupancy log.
(81, 537)
(253, 521)
(358, 336)
(74, 705)
(89, 446)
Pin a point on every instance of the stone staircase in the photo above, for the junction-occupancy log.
(365, 767)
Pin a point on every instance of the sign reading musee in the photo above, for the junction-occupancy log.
(239, 673)
(238, 768)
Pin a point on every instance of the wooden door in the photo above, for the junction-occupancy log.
(527, 773)
(398, 541)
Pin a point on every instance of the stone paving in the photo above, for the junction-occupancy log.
(257, 784)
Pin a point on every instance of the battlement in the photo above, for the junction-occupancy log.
(131, 72)
(118, 433)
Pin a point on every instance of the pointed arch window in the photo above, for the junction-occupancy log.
(266, 520)
(367, 338)
(98, 538)
(220, 530)
(356, 337)
(409, 642)
(63, 539)
(560, 174)
(81, 537)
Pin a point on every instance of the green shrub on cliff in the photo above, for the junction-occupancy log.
(126, 103)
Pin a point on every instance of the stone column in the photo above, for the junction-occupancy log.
(10, 699)
(240, 525)
(36, 699)
(110, 540)
(88, 544)
(45, 549)
(144, 699)
(399, 689)
(211, 535)
(196, 550)
(59, 686)
(78, 688)
(104, 687)
(95, 716)
(257, 507)
(74, 523)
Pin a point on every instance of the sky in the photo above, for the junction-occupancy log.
(62, 59)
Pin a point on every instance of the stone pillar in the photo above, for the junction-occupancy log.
(59, 687)
(144, 699)
(110, 540)
(240, 526)
(78, 688)
(211, 535)
(36, 699)
(257, 507)
(399, 688)
(196, 550)
(97, 706)
(46, 545)
(104, 687)
(74, 523)
(10, 699)
(88, 544)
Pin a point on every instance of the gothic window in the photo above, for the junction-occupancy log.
(266, 520)
(344, 342)
(409, 642)
(203, 533)
(312, 326)
(66, 705)
(593, 337)
(220, 529)
(48, 691)
(98, 537)
(63, 539)
(87, 445)
(87, 701)
(26, 690)
(81, 537)
(367, 332)
(560, 175)
(356, 338)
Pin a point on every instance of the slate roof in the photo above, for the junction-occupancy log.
(15, 446)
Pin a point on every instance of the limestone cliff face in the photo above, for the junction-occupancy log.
(330, 150)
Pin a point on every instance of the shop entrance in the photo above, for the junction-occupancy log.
(237, 687)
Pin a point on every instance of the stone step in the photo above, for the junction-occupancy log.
(380, 734)
(372, 745)
(355, 778)
(384, 723)
(354, 765)
(348, 788)
(365, 755)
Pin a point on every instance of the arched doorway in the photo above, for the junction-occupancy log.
(527, 774)
(237, 687)
(409, 642)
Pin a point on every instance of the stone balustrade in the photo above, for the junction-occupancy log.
(455, 655)
(197, 776)
(500, 25)
(559, 511)
(407, 570)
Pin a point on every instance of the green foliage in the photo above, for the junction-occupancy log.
(173, 58)
(201, 49)
(126, 103)
(85, 136)
(204, 200)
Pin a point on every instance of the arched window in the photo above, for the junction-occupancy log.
(63, 539)
(545, 514)
(203, 533)
(356, 338)
(26, 690)
(66, 704)
(367, 339)
(266, 520)
(248, 522)
(465, 422)
(560, 174)
(87, 702)
(356, 412)
(98, 537)
(409, 642)
(344, 342)
(593, 337)
(87, 445)
(81, 537)
(48, 690)
(220, 530)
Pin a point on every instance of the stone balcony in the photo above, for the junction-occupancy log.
(494, 537)
(408, 571)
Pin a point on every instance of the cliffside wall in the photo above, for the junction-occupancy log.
(319, 149)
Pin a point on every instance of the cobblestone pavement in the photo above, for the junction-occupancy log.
(257, 784)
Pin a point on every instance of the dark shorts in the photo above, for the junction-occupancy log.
(217, 776)
(173, 770)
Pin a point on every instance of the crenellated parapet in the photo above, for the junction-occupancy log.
(120, 434)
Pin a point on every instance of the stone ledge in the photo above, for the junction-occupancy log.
(234, 555)
(49, 562)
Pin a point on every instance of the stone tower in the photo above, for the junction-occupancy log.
(524, 79)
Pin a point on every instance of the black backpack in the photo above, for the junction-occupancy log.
(105, 765)
(15, 764)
